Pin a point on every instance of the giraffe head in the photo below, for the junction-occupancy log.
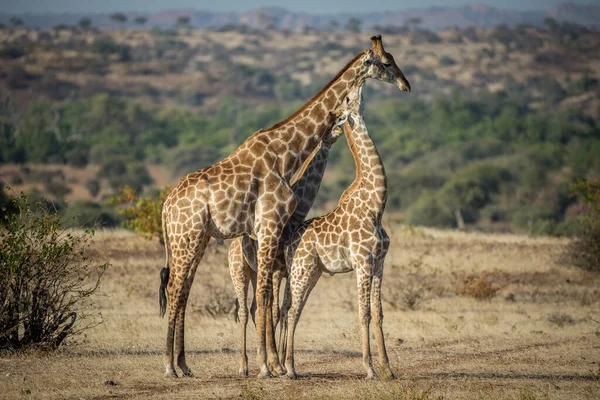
(336, 130)
(381, 65)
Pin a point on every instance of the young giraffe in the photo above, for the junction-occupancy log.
(249, 193)
(350, 237)
(242, 251)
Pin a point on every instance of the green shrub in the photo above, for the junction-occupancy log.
(584, 249)
(93, 187)
(427, 211)
(142, 213)
(89, 214)
(46, 279)
(57, 189)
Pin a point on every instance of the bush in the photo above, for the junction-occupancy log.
(93, 187)
(89, 214)
(46, 279)
(57, 189)
(482, 286)
(121, 172)
(584, 249)
(142, 213)
(446, 61)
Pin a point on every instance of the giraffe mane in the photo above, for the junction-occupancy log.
(316, 96)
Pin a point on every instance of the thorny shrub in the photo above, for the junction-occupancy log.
(218, 299)
(406, 285)
(46, 279)
(142, 213)
(482, 286)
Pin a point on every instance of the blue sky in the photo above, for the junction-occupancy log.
(311, 6)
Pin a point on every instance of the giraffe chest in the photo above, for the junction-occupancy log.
(361, 244)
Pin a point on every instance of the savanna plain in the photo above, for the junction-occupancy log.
(467, 315)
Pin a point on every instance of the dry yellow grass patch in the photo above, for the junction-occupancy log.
(538, 337)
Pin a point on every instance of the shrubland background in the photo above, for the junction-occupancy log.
(499, 123)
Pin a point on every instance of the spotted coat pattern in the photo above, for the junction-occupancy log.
(249, 193)
(350, 238)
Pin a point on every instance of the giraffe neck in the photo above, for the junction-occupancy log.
(302, 132)
(370, 179)
(307, 186)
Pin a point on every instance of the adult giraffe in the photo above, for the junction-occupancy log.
(242, 251)
(249, 193)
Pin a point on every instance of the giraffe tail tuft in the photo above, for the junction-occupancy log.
(236, 311)
(162, 291)
(164, 273)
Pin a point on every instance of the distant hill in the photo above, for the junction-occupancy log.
(477, 15)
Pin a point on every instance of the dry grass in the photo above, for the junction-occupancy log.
(537, 338)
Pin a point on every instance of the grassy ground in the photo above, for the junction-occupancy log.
(536, 336)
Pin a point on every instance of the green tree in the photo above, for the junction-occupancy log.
(16, 21)
(353, 25)
(470, 190)
(85, 23)
(183, 21)
(118, 17)
(140, 20)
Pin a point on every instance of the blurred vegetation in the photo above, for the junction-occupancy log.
(46, 276)
(142, 213)
(454, 161)
(464, 158)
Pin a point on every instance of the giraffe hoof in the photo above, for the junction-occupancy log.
(277, 369)
(291, 375)
(371, 375)
(264, 375)
(243, 373)
(170, 374)
(188, 374)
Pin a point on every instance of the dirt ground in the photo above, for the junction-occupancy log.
(536, 336)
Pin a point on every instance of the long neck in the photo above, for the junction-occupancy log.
(303, 131)
(370, 182)
(307, 186)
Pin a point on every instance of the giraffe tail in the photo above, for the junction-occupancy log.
(236, 311)
(162, 292)
(164, 273)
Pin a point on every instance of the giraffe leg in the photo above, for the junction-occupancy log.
(180, 325)
(272, 319)
(173, 293)
(253, 305)
(266, 254)
(377, 316)
(283, 328)
(277, 279)
(363, 279)
(300, 287)
(240, 275)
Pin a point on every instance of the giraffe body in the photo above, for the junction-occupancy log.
(350, 238)
(249, 193)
